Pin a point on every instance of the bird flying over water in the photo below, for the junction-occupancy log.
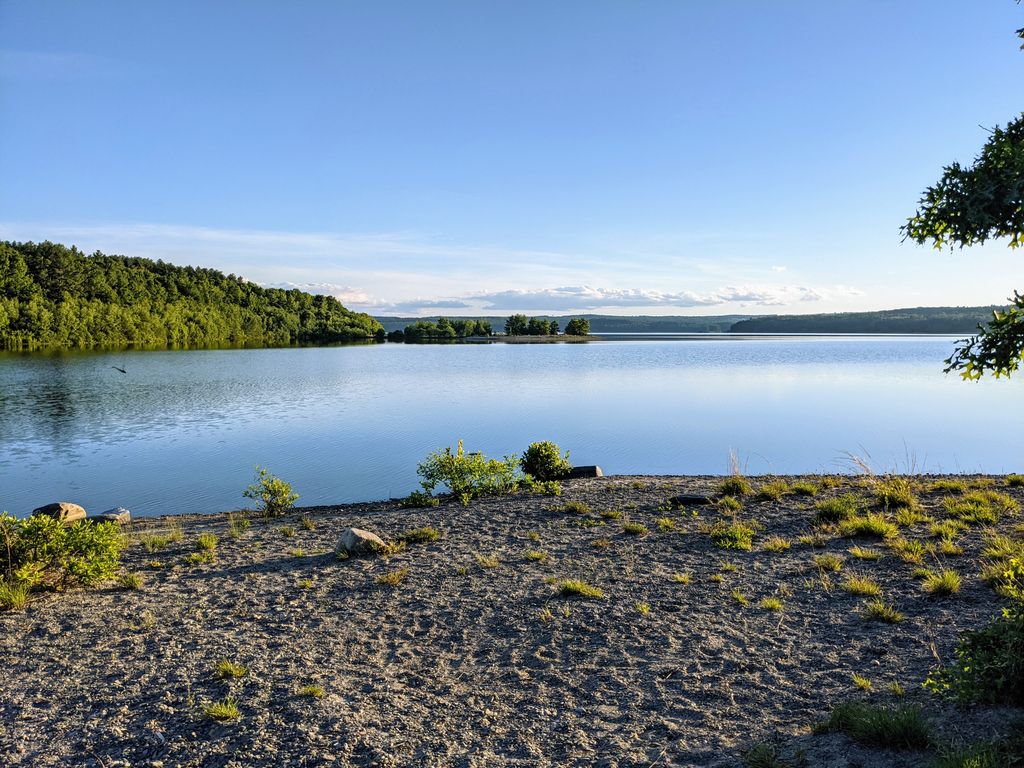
(122, 370)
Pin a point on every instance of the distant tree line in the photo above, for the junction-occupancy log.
(55, 296)
(521, 325)
(443, 329)
(917, 320)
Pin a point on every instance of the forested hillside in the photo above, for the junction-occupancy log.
(55, 296)
(916, 320)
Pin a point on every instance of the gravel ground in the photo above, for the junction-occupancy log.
(477, 662)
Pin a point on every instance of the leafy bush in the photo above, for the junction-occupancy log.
(468, 475)
(989, 666)
(43, 551)
(544, 461)
(274, 495)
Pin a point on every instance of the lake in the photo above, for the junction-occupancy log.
(181, 431)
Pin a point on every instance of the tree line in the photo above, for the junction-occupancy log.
(463, 328)
(916, 320)
(53, 296)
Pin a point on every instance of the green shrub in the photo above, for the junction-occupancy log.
(901, 727)
(40, 550)
(773, 490)
(981, 507)
(544, 461)
(870, 525)
(577, 588)
(896, 492)
(1015, 481)
(804, 489)
(423, 535)
(13, 595)
(274, 495)
(942, 583)
(468, 475)
(989, 666)
(419, 499)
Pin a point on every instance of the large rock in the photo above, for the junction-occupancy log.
(578, 472)
(64, 511)
(118, 515)
(689, 500)
(355, 541)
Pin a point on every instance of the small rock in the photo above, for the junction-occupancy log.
(589, 471)
(689, 500)
(118, 515)
(65, 511)
(354, 541)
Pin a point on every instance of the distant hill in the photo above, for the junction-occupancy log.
(52, 296)
(600, 323)
(952, 320)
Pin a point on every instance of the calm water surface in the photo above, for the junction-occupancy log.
(181, 431)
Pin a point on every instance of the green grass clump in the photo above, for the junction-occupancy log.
(487, 561)
(773, 490)
(861, 586)
(224, 710)
(237, 526)
(947, 486)
(983, 507)
(130, 580)
(729, 504)
(643, 608)
(577, 588)
(13, 595)
(288, 531)
(942, 583)
(393, 578)
(947, 529)
(766, 755)
(771, 604)
(536, 556)
(864, 553)
(311, 691)
(949, 548)
(734, 485)
(681, 578)
(828, 562)
(837, 509)
(895, 492)
(908, 550)
(878, 610)
(776, 544)
(206, 542)
(634, 529)
(901, 727)
(868, 526)
(1015, 481)
(576, 508)
(611, 514)
(423, 535)
(733, 535)
(739, 598)
(862, 682)
(665, 524)
(804, 489)
(200, 558)
(815, 540)
(229, 670)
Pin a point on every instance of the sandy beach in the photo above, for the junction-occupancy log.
(464, 651)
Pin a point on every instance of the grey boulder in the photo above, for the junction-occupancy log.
(65, 511)
(118, 515)
(355, 541)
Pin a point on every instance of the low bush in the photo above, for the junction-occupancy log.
(41, 551)
(870, 525)
(733, 535)
(895, 492)
(544, 461)
(735, 485)
(273, 494)
(837, 509)
(901, 727)
(773, 490)
(468, 475)
(981, 507)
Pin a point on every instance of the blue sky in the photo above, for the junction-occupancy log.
(462, 157)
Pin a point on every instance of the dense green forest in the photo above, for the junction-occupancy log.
(55, 296)
(443, 329)
(601, 323)
(917, 320)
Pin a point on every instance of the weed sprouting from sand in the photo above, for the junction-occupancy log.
(878, 610)
(869, 526)
(909, 516)
(206, 542)
(942, 583)
(487, 561)
(273, 494)
(307, 523)
(393, 578)
(901, 727)
(947, 529)
(237, 526)
(200, 558)
(225, 710)
(424, 535)
(728, 504)
(577, 588)
(776, 544)
(949, 548)
(643, 608)
(764, 755)
(815, 540)
(946, 486)
(736, 485)
(13, 595)
(227, 670)
(862, 586)
(287, 531)
(864, 553)
(536, 556)
(665, 524)
(862, 682)
(984, 507)
(601, 543)
(896, 689)
(611, 514)
(727, 567)
(716, 578)
(804, 489)
(533, 536)
(733, 535)
(305, 583)
(129, 580)
(681, 578)
(311, 691)
(772, 604)
(298, 552)
(773, 490)
(739, 598)
(837, 509)
(576, 508)
(895, 492)
(634, 529)
(908, 550)
(1015, 481)
(828, 562)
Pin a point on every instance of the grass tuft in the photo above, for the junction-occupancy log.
(577, 588)
(129, 580)
(733, 535)
(828, 562)
(423, 535)
(942, 583)
(861, 586)
(206, 542)
(878, 610)
(223, 711)
(776, 544)
(869, 526)
(771, 604)
(634, 529)
(864, 553)
(13, 595)
(393, 578)
(901, 727)
(837, 509)
(311, 691)
(228, 670)
(736, 485)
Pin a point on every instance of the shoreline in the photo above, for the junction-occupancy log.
(462, 651)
